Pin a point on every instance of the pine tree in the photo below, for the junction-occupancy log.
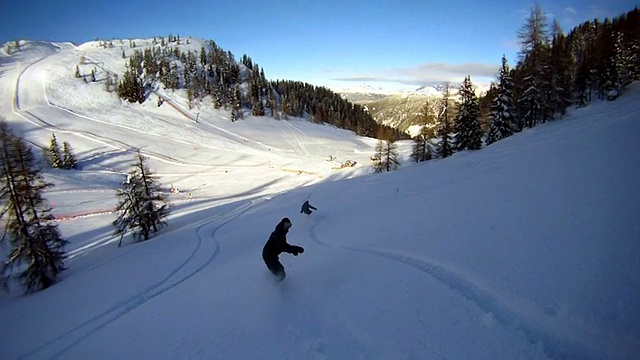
(534, 67)
(390, 156)
(623, 62)
(376, 159)
(68, 158)
(421, 150)
(446, 137)
(203, 56)
(559, 93)
(501, 114)
(385, 157)
(217, 100)
(54, 153)
(131, 88)
(77, 74)
(142, 208)
(258, 108)
(29, 224)
(467, 121)
(235, 105)
(271, 100)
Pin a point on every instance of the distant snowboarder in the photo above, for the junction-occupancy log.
(276, 245)
(306, 208)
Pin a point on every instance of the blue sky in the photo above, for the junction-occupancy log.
(337, 44)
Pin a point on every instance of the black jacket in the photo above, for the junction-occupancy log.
(306, 208)
(277, 243)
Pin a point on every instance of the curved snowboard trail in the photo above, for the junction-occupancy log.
(112, 314)
(561, 339)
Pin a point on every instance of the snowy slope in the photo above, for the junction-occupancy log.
(525, 249)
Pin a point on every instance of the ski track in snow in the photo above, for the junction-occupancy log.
(295, 148)
(39, 122)
(560, 339)
(302, 148)
(92, 136)
(112, 314)
(231, 136)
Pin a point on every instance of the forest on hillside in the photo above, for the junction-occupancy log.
(214, 75)
(555, 70)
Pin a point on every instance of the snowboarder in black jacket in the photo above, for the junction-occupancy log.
(306, 208)
(276, 245)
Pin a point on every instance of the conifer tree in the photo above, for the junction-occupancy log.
(421, 150)
(54, 153)
(203, 56)
(623, 62)
(235, 105)
(447, 138)
(467, 121)
(29, 225)
(385, 157)
(142, 208)
(534, 68)
(376, 159)
(258, 108)
(271, 100)
(68, 158)
(131, 88)
(559, 93)
(390, 156)
(501, 113)
(217, 101)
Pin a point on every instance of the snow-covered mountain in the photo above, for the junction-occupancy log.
(365, 93)
(402, 109)
(526, 249)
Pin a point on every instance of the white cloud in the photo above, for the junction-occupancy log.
(426, 73)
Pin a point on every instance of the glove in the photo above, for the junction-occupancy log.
(300, 249)
(294, 252)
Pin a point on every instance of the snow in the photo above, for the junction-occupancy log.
(525, 249)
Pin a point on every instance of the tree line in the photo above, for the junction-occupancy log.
(595, 60)
(214, 74)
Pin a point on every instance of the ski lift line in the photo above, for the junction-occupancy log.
(245, 140)
(184, 112)
(174, 105)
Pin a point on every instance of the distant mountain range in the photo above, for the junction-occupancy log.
(400, 109)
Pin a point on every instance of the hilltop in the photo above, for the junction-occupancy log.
(42, 96)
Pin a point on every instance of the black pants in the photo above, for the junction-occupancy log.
(274, 265)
